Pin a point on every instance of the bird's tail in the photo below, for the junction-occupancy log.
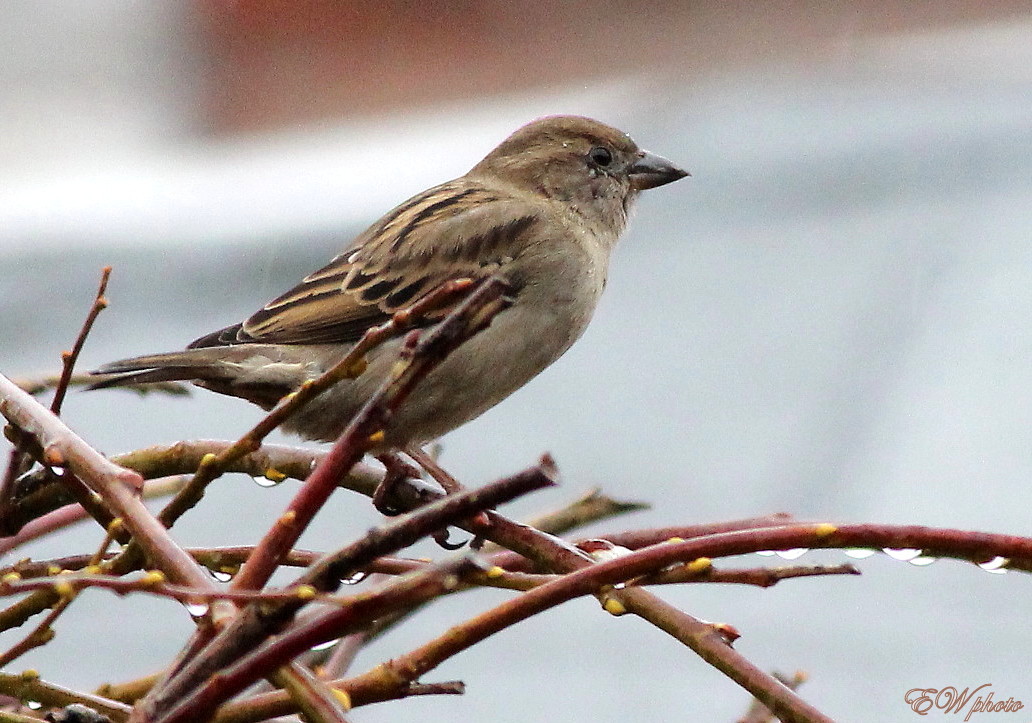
(260, 373)
(177, 366)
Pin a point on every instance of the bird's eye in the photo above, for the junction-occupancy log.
(601, 156)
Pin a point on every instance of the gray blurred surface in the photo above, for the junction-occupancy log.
(830, 318)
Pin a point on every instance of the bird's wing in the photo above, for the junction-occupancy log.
(456, 230)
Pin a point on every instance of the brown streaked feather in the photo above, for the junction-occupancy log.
(222, 337)
(448, 232)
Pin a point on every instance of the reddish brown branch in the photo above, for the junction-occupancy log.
(758, 712)
(226, 560)
(977, 547)
(635, 539)
(267, 705)
(239, 673)
(40, 493)
(255, 623)
(709, 641)
(758, 576)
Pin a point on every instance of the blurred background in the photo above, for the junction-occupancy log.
(830, 318)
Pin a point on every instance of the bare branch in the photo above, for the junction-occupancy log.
(316, 701)
(115, 485)
(29, 686)
(255, 623)
(758, 712)
(69, 358)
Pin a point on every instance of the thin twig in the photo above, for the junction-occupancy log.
(69, 358)
(42, 634)
(266, 705)
(758, 576)
(70, 514)
(39, 493)
(225, 560)
(317, 702)
(635, 539)
(153, 583)
(127, 692)
(39, 384)
(343, 655)
(711, 643)
(592, 506)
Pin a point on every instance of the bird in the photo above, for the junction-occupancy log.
(543, 211)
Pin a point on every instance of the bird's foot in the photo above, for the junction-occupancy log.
(396, 471)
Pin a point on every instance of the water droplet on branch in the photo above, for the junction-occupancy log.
(904, 554)
(996, 566)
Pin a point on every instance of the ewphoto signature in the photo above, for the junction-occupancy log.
(950, 700)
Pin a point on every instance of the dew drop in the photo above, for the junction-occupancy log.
(766, 553)
(922, 560)
(326, 645)
(197, 609)
(265, 481)
(794, 554)
(996, 566)
(355, 578)
(33, 704)
(858, 553)
(905, 554)
(221, 575)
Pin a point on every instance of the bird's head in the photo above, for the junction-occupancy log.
(577, 160)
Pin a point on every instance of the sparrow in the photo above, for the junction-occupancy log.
(543, 210)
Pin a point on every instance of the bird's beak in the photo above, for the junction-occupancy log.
(651, 170)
